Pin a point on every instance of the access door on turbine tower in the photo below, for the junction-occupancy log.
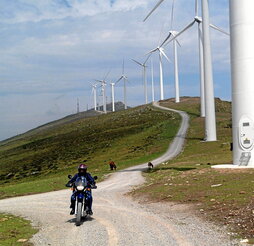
(246, 133)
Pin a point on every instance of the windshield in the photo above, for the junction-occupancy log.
(81, 181)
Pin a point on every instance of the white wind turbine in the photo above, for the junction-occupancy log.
(199, 21)
(94, 91)
(143, 65)
(103, 90)
(175, 42)
(125, 79)
(113, 95)
(161, 54)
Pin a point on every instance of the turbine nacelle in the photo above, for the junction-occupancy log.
(198, 19)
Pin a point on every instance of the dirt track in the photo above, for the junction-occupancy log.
(117, 219)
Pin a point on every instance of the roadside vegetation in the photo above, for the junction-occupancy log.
(219, 195)
(40, 160)
(15, 230)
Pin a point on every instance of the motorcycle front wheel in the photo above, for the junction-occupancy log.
(79, 214)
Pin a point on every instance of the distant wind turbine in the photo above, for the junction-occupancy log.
(175, 42)
(77, 105)
(113, 95)
(125, 79)
(161, 54)
(143, 65)
(103, 90)
(94, 91)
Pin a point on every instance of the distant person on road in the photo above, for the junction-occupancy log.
(112, 165)
(82, 171)
(150, 165)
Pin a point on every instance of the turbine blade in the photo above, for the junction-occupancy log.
(123, 67)
(166, 39)
(172, 14)
(119, 80)
(219, 29)
(137, 62)
(151, 51)
(92, 92)
(101, 81)
(107, 74)
(185, 29)
(196, 7)
(173, 34)
(144, 64)
(178, 42)
(164, 54)
(155, 7)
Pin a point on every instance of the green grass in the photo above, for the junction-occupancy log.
(13, 229)
(40, 161)
(190, 179)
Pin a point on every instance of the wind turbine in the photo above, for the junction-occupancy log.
(125, 79)
(161, 54)
(94, 91)
(175, 42)
(113, 95)
(202, 49)
(77, 105)
(103, 90)
(143, 65)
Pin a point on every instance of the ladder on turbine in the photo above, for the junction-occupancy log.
(245, 158)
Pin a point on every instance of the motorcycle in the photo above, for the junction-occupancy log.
(80, 186)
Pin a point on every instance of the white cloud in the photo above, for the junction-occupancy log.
(34, 11)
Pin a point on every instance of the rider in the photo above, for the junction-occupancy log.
(82, 171)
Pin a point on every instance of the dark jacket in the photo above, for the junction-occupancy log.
(88, 176)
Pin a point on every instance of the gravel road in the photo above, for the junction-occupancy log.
(117, 219)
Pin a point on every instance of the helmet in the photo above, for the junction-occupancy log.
(82, 167)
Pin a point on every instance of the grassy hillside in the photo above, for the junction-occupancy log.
(223, 196)
(40, 160)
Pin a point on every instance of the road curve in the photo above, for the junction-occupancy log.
(117, 219)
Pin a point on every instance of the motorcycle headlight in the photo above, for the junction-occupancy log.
(80, 187)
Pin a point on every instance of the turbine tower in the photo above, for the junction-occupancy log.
(210, 119)
(113, 96)
(242, 70)
(153, 98)
(77, 105)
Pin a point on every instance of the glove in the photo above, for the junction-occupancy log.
(68, 184)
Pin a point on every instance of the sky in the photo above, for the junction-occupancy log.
(50, 50)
